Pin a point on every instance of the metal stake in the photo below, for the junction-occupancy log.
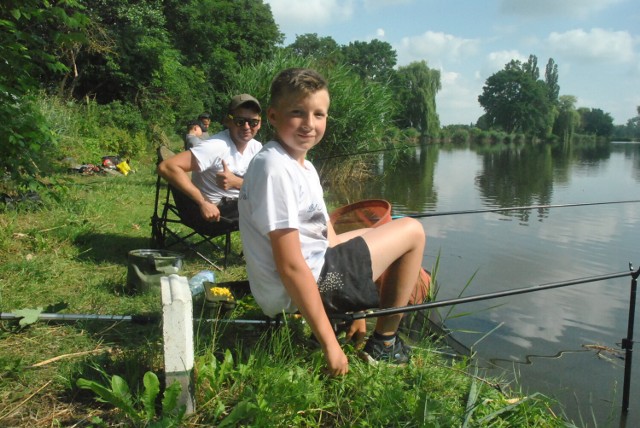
(627, 343)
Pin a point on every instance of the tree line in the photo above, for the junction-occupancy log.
(142, 69)
(517, 99)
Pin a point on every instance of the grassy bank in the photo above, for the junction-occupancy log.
(68, 255)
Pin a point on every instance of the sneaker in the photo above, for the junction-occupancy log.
(378, 350)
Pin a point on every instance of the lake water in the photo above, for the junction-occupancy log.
(547, 340)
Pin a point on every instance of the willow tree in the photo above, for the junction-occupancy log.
(416, 89)
(568, 118)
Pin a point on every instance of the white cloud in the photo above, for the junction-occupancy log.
(572, 8)
(457, 101)
(378, 35)
(597, 45)
(435, 47)
(298, 15)
(376, 4)
(495, 61)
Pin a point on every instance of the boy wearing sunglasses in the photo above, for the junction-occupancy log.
(218, 163)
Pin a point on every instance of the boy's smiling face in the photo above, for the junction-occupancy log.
(300, 121)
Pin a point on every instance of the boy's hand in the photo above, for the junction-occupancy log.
(357, 331)
(337, 361)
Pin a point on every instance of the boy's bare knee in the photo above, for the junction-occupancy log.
(414, 229)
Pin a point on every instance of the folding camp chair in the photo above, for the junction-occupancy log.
(174, 211)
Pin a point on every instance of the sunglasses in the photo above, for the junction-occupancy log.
(240, 121)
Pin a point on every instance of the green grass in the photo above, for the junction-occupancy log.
(71, 256)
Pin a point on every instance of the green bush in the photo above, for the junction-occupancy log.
(122, 115)
(508, 138)
(360, 113)
(88, 131)
(360, 110)
(256, 80)
(479, 136)
(393, 135)
(117, 141)
(519, 138)
(495, 137)
(411, 134)
(29, 143)
(460, 136)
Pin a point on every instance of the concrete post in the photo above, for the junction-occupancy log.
(177, 327)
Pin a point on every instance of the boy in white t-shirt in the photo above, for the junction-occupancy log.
(218, 163)
(295, 260)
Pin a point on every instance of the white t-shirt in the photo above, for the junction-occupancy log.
(279, 193)
(210, 153)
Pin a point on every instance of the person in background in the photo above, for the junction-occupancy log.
(194, 134)
(295, 260)
(205, 120)
(218, 163)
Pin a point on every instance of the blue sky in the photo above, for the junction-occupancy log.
(595, 43)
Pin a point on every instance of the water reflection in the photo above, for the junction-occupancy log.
(538, 337)
(517, 178)
(631, 151)
(405, 176)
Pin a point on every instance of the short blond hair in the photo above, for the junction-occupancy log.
(302, 81)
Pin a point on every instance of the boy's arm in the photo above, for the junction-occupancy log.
(332, 236)
(175, 170)
(303, 290)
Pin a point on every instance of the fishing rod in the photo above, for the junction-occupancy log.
(136, 319)
(141, 319)
(349, 316)
(529, 207)
(373, 313)
(627, 342)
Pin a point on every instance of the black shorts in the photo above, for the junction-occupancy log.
(346, 279)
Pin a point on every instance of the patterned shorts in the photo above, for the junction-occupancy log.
(345, 282)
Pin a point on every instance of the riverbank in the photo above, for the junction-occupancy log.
(68, 255)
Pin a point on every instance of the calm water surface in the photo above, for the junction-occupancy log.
(537, 338)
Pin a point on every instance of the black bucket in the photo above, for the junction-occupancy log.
(146, 267)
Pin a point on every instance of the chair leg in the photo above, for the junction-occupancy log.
(205, 258)
(157, 235)
(163, 236)
(227, 248)
(184, 241)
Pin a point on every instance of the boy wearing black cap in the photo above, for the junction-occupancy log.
(218, 163)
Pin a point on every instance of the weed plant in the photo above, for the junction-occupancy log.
(70, 257)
